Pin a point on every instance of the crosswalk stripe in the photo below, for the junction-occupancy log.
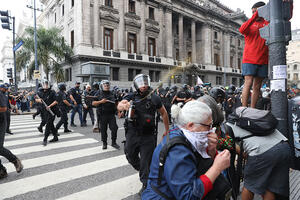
(37, 182)
(28, 134)
(114, 190)
(51, 159)
(26, 130)
(24, 126)
(56, 145)
(32, 140)
(24, 123)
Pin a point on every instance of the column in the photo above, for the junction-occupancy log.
(180, 37)
(207, 53)
(160, 44)
(96, 24)
(121, 29)
(194, 49)
(226, 51)
(168, 33)
(143, 28)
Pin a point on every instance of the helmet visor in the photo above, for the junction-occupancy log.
(142, 81)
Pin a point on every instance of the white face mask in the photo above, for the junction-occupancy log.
(199, 140)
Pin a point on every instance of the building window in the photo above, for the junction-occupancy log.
(131, 6)
(216, 35)
(177, 54)
(189, 57)
(115, 74)
(218, 80)
(239, 63)
(289, 76)
(190, 33)
(154, 75)
(151, 47)
(108, 39)
(138, 71)
(231, 61)
(55, 18)
(63, 10)
(234, 81)
(217, 59)
(177, 29)
(231, 40)
(72, 3)
(109, 3)
(239, 42)
(295, 67)
(72, 39)
(151, 13)
(295, 78)
(131, 43)
(68, 74)
(130, 74)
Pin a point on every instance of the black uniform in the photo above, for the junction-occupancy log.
(87, 101)
(42, 111)
(49, 96)
(183, 93)
(63, 108)
(106, 116)
(140, 134)
(8, 114)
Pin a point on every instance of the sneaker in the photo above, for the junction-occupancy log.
(115, 145)
(55, 139)
(45, 142)
(40, 129)
(3, 173)
(18, 165)
(9, 132)
(73, 125)
(104, 146)
(67, 131)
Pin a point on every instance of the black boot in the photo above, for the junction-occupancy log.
(3, 173)
(40, 129)
(104, 145)
(115, 145)
(55, 139)
(67, 131)
(45, 142)
(18, 165)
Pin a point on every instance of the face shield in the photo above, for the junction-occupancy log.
(45, 85)
(141, 80)
(105, 85)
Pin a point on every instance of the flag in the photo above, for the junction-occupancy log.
(199, 81)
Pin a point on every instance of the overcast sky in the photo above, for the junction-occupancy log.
(17, 7)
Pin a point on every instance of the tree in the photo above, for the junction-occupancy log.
(52, 52)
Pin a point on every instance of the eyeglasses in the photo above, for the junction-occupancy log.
(210, 126)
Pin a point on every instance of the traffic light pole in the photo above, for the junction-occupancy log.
(35, 47)
(277, 35)
(14, 53)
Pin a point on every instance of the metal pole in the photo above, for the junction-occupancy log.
(277, 56)
(35, 45)
(14, 53)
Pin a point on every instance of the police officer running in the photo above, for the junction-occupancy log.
(75, 95)
(140, 134)
(63, 106)
(48, 96)
(106, 110)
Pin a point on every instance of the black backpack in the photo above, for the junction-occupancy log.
(221, 186)
(258, 122)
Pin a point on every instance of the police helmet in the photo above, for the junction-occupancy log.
(141, 80)
(96, 86)
(167, 89)
(218, 94)
(196, 88)
(62, 86)
(185, 87)
(45, 84)
(103, 83)
(174, 88)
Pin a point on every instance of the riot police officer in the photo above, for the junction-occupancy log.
(63, 106)
(218, 94)
(197, 92)
(87, 99)
(75, 95)
(106, 110)
(41, 110)
(48, 96)
(183, 95)
(140, 126)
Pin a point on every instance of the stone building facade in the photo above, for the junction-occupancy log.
(173, 41)
(293, 59)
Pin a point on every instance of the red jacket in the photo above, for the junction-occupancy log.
(255, 51)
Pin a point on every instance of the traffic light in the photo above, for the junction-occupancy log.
(9, 72)
(5, 19)
(278, 13)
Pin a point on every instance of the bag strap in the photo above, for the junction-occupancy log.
(243, 111)
(178, 140)
(161, 193)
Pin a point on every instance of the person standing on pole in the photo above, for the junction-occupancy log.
(255, 56)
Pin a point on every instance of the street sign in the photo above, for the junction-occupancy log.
(37, 74)
(18, 45)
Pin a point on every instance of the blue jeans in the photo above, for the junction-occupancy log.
(78, 109)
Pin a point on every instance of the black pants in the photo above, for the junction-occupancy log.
(110, 120)
(50, 126)
(139, 150)
(91, 113)
(44, 117)
(63, 119)
(3, 151)
(7, 120)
